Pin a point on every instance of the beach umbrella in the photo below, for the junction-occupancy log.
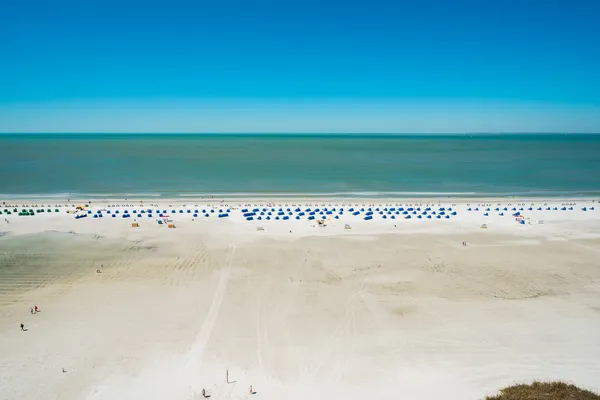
(393, 217)
(485, 215)
(249, 218)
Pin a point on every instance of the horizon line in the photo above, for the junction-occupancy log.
(304, 133)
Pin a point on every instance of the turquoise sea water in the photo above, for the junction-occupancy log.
(103, 165)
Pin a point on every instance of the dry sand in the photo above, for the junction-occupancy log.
(380, 311)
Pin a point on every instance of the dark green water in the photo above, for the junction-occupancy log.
(174, 165)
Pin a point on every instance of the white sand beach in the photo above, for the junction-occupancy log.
(387, 309)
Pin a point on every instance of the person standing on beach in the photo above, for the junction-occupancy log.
(22, 327)
(31, 309)
(36, 309)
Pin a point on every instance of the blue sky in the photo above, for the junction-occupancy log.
(302, 66)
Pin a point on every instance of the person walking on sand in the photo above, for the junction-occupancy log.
(31, 309)
(22, 327)
(36, 309)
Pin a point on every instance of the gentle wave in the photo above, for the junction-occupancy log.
(242, 195)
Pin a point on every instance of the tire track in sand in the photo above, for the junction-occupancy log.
(196, 351)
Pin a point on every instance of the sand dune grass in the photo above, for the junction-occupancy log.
(545, 391)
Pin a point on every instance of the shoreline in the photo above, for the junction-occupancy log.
(244, 198)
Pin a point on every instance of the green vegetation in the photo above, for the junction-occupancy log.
(544, 391)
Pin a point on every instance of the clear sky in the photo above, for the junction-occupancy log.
(299, 66)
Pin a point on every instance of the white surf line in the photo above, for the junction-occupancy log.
(196, 351)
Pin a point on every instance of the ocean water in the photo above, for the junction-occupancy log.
(108, 165)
